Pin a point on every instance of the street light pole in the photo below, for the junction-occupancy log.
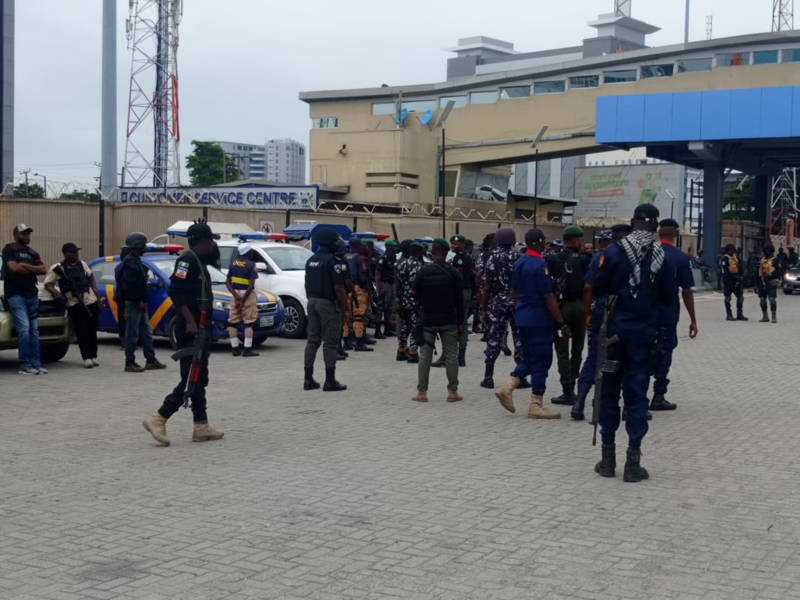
(442, 187)
(45, 182)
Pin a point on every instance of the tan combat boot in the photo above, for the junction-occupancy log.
(203, 432)
(538, 410)
(157, 426)
(505, 394)
(421, 397)
(454, 396)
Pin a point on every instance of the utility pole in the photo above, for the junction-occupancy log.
(109, 97)
(101, 206)
(686, 23)
(45, 182)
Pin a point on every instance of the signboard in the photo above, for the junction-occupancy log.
(294, 198)
(609, 195)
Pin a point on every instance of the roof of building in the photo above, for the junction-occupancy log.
(554, 69)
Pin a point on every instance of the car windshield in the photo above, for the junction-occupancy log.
(167, 266)
(289, 258)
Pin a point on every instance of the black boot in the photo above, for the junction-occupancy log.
(524, 384)
(764, 315)
(361, 346)
(634, 472)
(774, 315)
(580, 403)
(608, 463)
(378, 334)
(309, 383)
(506, 350)
(331, 385)
(728, 312)
(566, 399)
(348, 342)
(401, 355)
(488, 377)
(659, 402)
(740, 315)
(462, 357)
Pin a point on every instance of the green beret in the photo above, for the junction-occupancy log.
(391, 243)
(441, 242)
(573, 231)
(458, 238)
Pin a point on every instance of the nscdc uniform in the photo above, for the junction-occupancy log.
(769, 276)
(732, 272)
(241, 277)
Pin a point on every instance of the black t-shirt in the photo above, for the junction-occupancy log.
(187, 282)
(463, 263)
(16, 284)
(568, 269)
(438, 292)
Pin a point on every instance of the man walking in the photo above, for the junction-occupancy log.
(133, 276)
(568, 269)
(732, 271)
(408, 307)
(437, 288)
(769, 279)
(22, 266)
(191, 293)
(537, 315)
(241, 282)
(669, 314)
(73, 281)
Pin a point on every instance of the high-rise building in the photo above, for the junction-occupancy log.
(249, 158)
(286, 162)
(7, 93)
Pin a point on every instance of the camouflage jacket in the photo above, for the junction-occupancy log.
(406, 272)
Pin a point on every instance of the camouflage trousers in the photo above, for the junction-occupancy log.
(408, 321)
(499, 315)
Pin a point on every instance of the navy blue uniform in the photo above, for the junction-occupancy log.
(635, 321)
(532, 284)
(669, 314)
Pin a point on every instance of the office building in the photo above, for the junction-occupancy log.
(286, 162)
(7, 93)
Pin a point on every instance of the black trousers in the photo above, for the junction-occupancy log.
(174, 401)
(84, 323)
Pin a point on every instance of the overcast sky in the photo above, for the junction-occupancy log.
(243, 62)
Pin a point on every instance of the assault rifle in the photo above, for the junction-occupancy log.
(604, 365)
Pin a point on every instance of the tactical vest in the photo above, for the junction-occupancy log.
(571, 279)
(733, 265)
(72, 278)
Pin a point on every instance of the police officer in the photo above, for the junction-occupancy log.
(408, 306)
(669, 314)
(358, 264)
(327, 301)
(769, 279)
(462, 262)
(340, 252)
(732, 271)
(633, 276)
(484, 251)
(568, 269)
(241, 282)
(497, 300)
(537, 316)
(385, 284)
(192, 295)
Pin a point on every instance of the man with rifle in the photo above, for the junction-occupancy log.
(633, 276)
(78, 289)
(191, 294)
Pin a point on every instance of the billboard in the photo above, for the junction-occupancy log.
(609, 195)
(285, 198)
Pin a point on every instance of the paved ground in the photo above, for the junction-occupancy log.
(368, 495)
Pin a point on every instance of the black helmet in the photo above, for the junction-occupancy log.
(136, 241)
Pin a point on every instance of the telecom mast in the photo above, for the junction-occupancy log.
(782, 15)
(152, 149)
(622, 8)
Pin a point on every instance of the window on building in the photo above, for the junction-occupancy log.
(733, 59)
(460, 101)
(483, 97)
(381, 109)
(517, 91)
(420, 105)
(584, 81)
(692, 65)
(765, 57)
(792, 55)
(326, 123)
(541, 88)
(650, 71)
(626, 76)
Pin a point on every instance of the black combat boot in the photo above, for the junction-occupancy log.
(580, 403)
(765, 316)
(236, 351)
(488, 377)
(523, 383)
(634, 472)
(774, 315)
(740, 315)
(348, 342)
(608, 463)
(361, 345)
(462, 357)
(378, 334)
(250, 353)
(728, 312)
(331, 385)
(401, 354)
(566, 399)
(659, 402)
(506, 350)
(309, 383)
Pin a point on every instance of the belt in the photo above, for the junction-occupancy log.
(242, 281)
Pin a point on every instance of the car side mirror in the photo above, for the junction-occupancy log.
(263, 267)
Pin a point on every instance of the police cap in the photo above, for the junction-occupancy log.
(442, 243)
(573, 231)
(669, 223)
(136, 241)
(70, 248)
(505, 237)
(458, 238)
(647, 213)
(535, 238)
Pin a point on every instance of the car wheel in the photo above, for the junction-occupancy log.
(172, 333)
(295, 327)
(54, 352)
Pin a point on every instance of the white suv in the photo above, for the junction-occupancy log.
(282, 271)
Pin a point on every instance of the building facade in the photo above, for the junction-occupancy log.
(7, 94)
(286, 162)
(249, 158)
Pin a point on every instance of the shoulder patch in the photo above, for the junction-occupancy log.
(181, 269)
(339, 268)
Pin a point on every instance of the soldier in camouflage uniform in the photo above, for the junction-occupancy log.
(498, 302)
(408, 308)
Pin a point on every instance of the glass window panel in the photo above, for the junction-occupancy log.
(549, 87)
(380, 109)
(420, 105)
(584, 81)
(460, 101)
(649, 71)
(483, 97)
(692, 65)
(510, 93)
(733, 59)
(791, 56)
(626, 76)
(765, 57)
(326, 123)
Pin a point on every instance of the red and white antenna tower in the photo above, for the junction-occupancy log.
(152, 148)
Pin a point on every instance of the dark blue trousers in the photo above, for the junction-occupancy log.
(632, 381)
(589, 368)
(667, 342)
(536, 356)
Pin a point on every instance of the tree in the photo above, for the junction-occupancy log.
(33, 190)
(738, 201)
(85, 195)
(205, 165)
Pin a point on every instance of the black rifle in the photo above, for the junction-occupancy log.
(73, 288)
(604, 365)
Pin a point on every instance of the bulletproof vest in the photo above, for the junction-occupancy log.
(72, 278)
(767, 267)
(571, 279)
(319, 280)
